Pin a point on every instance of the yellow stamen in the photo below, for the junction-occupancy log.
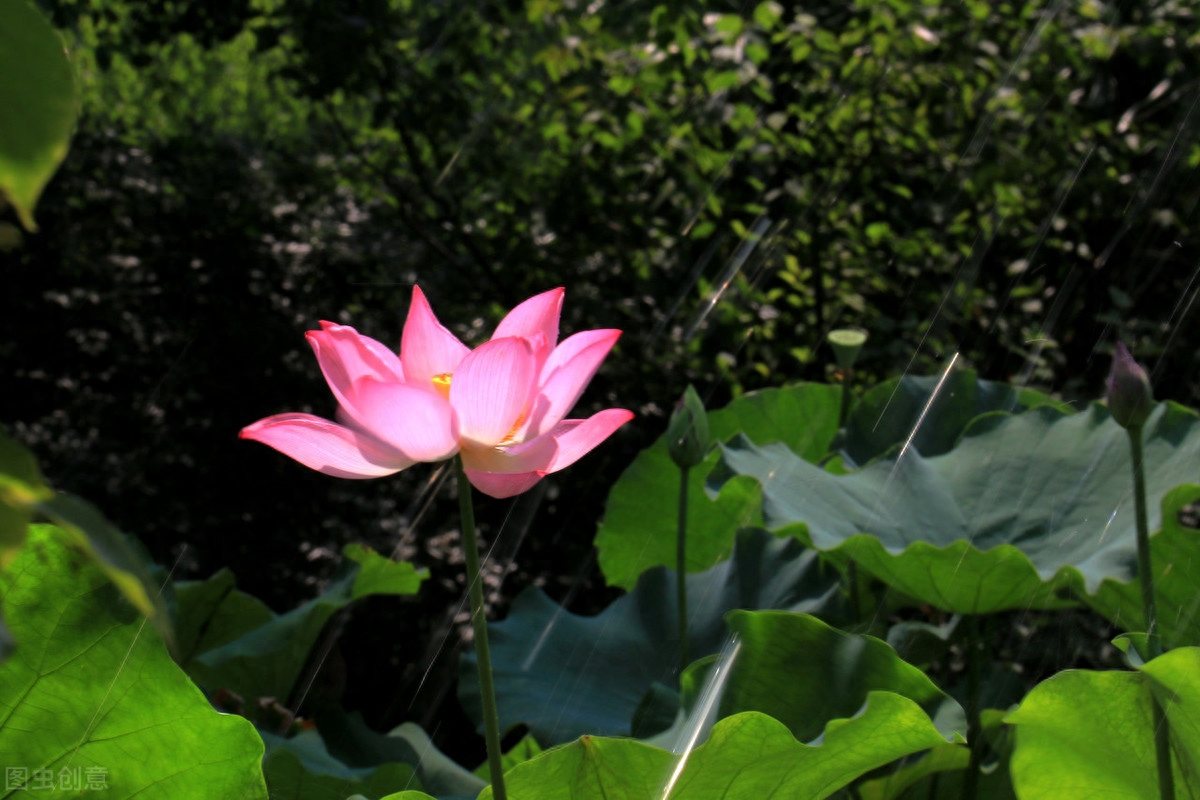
(441, 383)
(511, 436)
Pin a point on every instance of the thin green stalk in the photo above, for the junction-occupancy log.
(852, 567)
(681, 570)
(487, 690)
(844, 411)
(1162, 731)
(974, 725)
(1145, 573)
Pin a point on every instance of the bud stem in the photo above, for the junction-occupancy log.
(681, 570)
(1154, 648)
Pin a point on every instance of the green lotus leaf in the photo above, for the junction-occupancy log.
(638, 531)
(1176, 576)
(840, 669)
(888, 414)
(519, 753)
(266, 660)
(300, 768)
(24, 495)
(939, 774)
(746, 755)
(21, 488)
(565, 675)
(349, 739)
(38, 105)
(212, 613)
(1024, 507)
(1093, 731)
(92, 691)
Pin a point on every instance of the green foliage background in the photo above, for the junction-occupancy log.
(1015, 182)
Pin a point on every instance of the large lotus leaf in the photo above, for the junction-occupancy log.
(212, 613)
(300, 768)
(519, 753)
(805, 673)
(747, 755)
(1176, 576)
(939, 774)
(565, 675)
(267, 660)
(914, 406)
(1024, 506)
(92, 688)
(350, 740)
(21, 487)
(1093, 731)
(639, 527)
(38, 104)
(24, 495)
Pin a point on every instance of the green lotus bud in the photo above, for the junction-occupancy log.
(1130, 399)
(687, 435)
(846, 344)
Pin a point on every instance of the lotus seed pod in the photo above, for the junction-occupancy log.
(846, 344)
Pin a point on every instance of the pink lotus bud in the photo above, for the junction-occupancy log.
(1130, 399)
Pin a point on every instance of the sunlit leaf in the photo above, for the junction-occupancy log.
(21, 488)
(1093, 731)
(747, 755)
(92, 687)
(37, 105)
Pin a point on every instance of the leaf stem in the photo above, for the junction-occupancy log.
(852, 566)
(1154, 648)
(844, 411)
(487, 690)
(681, 570)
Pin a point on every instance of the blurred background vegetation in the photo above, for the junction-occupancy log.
(1015, 182)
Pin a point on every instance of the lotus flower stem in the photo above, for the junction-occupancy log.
(1154, 648)
(681, 570)
(487, 691)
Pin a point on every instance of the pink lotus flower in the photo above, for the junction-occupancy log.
(501, 405)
